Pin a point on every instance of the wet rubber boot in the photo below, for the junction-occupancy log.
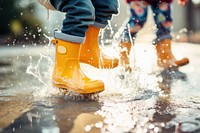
(165, 57)
(125, 48)
(91, 53)
(67, 73)
(125, 43)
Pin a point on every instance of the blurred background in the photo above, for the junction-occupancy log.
(27, 22)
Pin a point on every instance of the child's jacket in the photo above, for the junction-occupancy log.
(151, 1)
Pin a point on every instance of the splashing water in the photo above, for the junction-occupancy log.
(42, 71)
(119, 84)
(106, 35)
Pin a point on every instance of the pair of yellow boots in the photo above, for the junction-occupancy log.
(68, 75)
(165, 57)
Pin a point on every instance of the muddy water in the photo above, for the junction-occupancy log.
(147, 100)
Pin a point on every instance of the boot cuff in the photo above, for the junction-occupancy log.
(67, 37)
(99, 25)
(159, 39)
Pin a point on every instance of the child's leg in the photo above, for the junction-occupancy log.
(138, 16)
(104, 9)
(79, 15)
(163, 22)
(136, 22)
(90, 51)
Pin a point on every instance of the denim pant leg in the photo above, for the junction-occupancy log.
(79, 15)
(138, 16)
(163, 21)
(104, 9)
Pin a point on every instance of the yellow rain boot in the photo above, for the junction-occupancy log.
(125, 54)
(67, 73)
(165, 57)
(92, 54)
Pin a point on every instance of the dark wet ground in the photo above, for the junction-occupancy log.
(149, 100)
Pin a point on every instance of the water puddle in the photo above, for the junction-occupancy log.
(146, 100)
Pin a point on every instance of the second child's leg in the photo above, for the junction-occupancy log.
(136, 22)
(163, 20)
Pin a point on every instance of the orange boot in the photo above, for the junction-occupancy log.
(125, 48)
(92, 54)
(125, 40)
(165, 57)
(67, 73)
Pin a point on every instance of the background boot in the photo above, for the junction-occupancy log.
(123, 36)
(125, 48)
(67, 73)
(165, 56)
(92, 54)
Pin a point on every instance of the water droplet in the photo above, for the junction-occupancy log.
(156, 129)
(183, 30)
(178, 37)
(99, 125)
(54, 117)
(88, 128)
(39, 30)
(30, 57)
(151, 126)
(34, 36)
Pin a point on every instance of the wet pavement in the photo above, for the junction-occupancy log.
(147, 100)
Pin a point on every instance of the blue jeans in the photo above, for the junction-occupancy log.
(82, 13)
(162, 18)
